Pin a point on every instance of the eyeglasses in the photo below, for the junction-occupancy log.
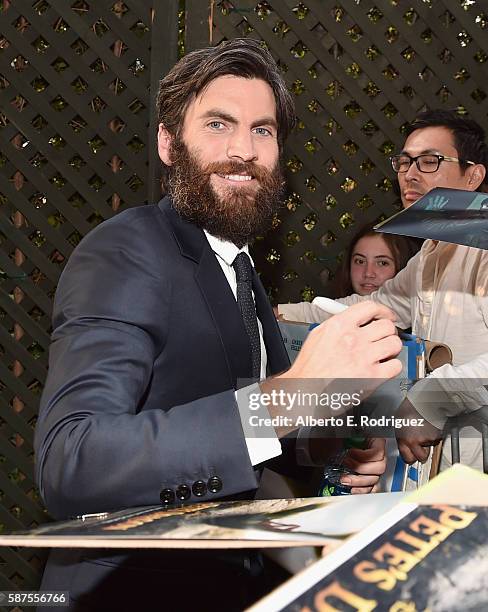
(427, 162)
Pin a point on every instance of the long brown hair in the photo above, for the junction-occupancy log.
(401, 247)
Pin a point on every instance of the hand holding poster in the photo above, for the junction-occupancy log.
(450, 215)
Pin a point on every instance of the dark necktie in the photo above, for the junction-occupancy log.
(242, 266)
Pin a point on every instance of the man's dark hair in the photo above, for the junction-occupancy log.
(469, 136)
(242, 57)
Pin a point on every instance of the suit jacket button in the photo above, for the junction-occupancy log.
(214, 484)
(167, 496)
(183, 492)
(199, 488)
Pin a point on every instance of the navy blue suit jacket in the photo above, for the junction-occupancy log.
(147, 350)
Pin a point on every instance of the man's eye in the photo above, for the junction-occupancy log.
(262, 131)
(216, 125)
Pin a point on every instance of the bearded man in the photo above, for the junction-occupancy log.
(153, 335)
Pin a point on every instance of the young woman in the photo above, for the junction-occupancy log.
(372, 259)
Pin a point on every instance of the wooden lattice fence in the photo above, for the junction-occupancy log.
(77, 82)
(359, 71)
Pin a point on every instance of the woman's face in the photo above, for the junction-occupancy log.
(372, 263)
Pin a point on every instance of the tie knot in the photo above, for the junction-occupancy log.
(243, 267)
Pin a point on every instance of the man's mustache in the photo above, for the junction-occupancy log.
(252, 169)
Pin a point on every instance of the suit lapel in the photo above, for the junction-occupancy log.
(275, 349)
(226, 315)
(222, 304)
(216, 292)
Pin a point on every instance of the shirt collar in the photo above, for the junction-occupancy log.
(227, 251)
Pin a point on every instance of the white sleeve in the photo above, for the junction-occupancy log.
(303, 312)
(451, 390)
(261, 440)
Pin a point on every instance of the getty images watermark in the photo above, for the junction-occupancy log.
(289, 400)
(303, 401)
(342, 406)
(381, 408)
(293, 401)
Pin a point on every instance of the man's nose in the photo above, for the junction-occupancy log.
(412, 173)
(241, 146)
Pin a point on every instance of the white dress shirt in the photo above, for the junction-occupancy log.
(261, 445)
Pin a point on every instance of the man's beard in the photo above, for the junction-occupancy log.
(239, 215)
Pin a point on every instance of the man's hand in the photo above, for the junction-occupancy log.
(351, 353)
(414, 442)
(361, 342)
(369, 464)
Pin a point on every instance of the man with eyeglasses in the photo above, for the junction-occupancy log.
(443, 292)
(426, 162)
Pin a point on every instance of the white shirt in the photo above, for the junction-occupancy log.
(443, 294)
(261, 445)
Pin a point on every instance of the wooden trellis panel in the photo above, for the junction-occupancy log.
(77, 84)
(76, 145)
(359, 71)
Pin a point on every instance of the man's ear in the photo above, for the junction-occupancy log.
(476, 176)
(164, 145)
